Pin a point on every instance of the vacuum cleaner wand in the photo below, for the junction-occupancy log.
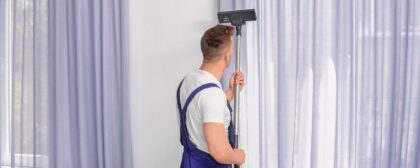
(237, 18)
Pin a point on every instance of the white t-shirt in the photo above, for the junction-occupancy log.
(209, 105)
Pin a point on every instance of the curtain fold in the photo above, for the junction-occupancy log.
(69, 77)
(331, 83)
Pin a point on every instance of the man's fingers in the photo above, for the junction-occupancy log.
(238, 77)
(239, 82)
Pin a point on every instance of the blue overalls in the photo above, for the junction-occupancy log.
(193, 157)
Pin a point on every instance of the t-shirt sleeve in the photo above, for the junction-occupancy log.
(212, 104)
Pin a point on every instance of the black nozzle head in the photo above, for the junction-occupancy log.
(238, 17)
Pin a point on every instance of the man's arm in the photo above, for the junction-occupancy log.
(235, 78)
(219, 147)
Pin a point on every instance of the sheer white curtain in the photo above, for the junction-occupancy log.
(331, 83)
(24, 88)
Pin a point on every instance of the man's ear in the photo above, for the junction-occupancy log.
(227, 58)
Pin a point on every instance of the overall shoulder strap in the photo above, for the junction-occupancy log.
(178, 98)
(185, 141)
(192, 95)
(195, 92)
(231, 128)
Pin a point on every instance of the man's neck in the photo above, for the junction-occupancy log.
(213, 68)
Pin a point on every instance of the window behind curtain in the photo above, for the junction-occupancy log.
(23, 84)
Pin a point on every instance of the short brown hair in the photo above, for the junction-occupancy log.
(215, 41)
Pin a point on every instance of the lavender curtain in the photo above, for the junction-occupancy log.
(69, 76)
(331, 83)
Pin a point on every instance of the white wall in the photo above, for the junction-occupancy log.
(165, 36)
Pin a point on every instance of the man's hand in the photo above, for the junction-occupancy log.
(241, 156)
(235, 78)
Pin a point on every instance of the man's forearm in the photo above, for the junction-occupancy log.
(229, 94)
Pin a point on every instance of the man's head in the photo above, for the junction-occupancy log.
(216, 44)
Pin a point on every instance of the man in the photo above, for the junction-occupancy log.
(205, 114)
